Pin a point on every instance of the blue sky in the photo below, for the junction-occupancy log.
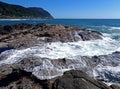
(75, 8)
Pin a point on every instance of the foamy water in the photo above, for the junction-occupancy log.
(71, 51)
(114, 28)
(68, 50)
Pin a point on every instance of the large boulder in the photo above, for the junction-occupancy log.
(115, 86)
(78, 80)
(74, 79)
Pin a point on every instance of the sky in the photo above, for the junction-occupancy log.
(75, 8)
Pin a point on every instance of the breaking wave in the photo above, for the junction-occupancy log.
(72, 52)
(114, 28)
(69, 50)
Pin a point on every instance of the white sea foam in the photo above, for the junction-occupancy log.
(70, 50)
(110, 74)
(65, 50)
(114, 28)
(12, 19)
(106, 27)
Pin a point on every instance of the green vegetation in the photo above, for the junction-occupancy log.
(15, 11)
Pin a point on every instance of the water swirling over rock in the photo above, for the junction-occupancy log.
(27, 35)
(43, 52)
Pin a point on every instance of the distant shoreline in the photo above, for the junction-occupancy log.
(13, 19)
(23, 19)
(63, 19)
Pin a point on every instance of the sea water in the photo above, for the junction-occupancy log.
(110, 28)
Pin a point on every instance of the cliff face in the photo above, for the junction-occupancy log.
(16, 11)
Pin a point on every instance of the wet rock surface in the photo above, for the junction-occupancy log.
(78, 80)
(29, 68)
(27, 35)
(70, 80)
(114, 86)
(20, 80)
(43, 73)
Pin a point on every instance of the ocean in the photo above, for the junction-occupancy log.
(107, 26)
(110, 29)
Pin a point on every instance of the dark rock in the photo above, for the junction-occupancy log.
(89, 35)
(29, 71)
(27, 35)
(18, 79)
(113, 86)
(6, 29)
(77, 80)
(43, 68)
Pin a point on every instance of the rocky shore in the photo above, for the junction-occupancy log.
(21, 68)
(27, 35)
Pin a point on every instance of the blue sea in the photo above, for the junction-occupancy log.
(110, 28)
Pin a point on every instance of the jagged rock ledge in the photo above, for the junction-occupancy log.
(28, 71)
(40, 73)
(70, 80)
(27, 35)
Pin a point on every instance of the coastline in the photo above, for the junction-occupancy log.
(52, 33)
(24, 19)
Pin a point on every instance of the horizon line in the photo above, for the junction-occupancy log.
(86, 18)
